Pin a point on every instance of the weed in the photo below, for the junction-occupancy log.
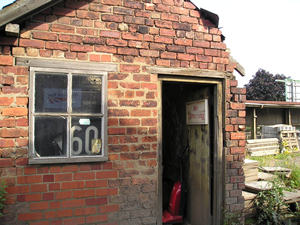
(293, 180)
(269, 205)
(2, 197)
(231, 218)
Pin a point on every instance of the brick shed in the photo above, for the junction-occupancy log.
(106, 103)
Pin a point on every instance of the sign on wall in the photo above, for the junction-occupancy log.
(197, 112)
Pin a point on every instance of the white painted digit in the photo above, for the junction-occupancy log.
(76, 139)
(88, 150)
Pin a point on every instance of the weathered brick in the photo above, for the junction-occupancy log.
(13, 132)
(14, 112)
(6, 162)
(112, 18)
(6, 60)
(129, 122)
(62, 28)
(128, 51)
(129, 68)
(44, 36)
(87, 14)
(6, 101)
(149, 53)
(57, 46)
(235, 105)
(168, 55)
(119, 42)
(132, 36)
(110, 34)
(187, 57)
(111, 2)
(237, 136)
(133, 4)
(70, 38)
(81, 48)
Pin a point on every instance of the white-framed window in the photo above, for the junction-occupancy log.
(67, 116)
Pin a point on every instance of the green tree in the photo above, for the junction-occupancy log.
(263, 86)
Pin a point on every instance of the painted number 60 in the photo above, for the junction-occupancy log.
(78, 140)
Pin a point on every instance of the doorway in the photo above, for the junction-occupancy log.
(190, 151)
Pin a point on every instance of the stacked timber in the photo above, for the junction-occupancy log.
(261, 147)
(248, 203)
(250, 170)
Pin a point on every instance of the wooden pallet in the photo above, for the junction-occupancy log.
(291, 139)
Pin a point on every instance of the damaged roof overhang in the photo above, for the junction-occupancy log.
(212, 17)
(21, 9)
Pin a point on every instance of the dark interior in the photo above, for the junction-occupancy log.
(176, 146)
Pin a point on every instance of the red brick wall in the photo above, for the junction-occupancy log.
(235, 124)
(132, 34)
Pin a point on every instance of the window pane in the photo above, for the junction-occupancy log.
(86, 136)
(51, 93)
(50, 136)
(86, 94)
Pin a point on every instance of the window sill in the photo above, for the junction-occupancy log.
(66, 160)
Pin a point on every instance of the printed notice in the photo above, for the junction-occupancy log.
(197, 112)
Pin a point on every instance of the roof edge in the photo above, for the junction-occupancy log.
(21, 8)
(271, 104)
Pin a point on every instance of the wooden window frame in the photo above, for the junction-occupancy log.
(33, 157)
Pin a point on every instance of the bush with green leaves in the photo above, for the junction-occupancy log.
(2, 196)
(269, 205)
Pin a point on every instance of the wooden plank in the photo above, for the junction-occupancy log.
(186, 72)
(239, 68)
(263, 148)
(159, 201)
(254, 124)
(291, 196)
(264, 140)
(248, 195)
(250, 161)
(21, 8)
(258, 186)
(263, 153)
(265, 176)
(65, 64)
(275, 169)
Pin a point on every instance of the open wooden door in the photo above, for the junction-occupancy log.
(202, 169)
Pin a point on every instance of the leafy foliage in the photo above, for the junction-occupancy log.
(231, 218)
(269, 206)
(264, 87)
(2, 197)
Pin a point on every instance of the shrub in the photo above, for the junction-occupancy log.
(269, 206)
